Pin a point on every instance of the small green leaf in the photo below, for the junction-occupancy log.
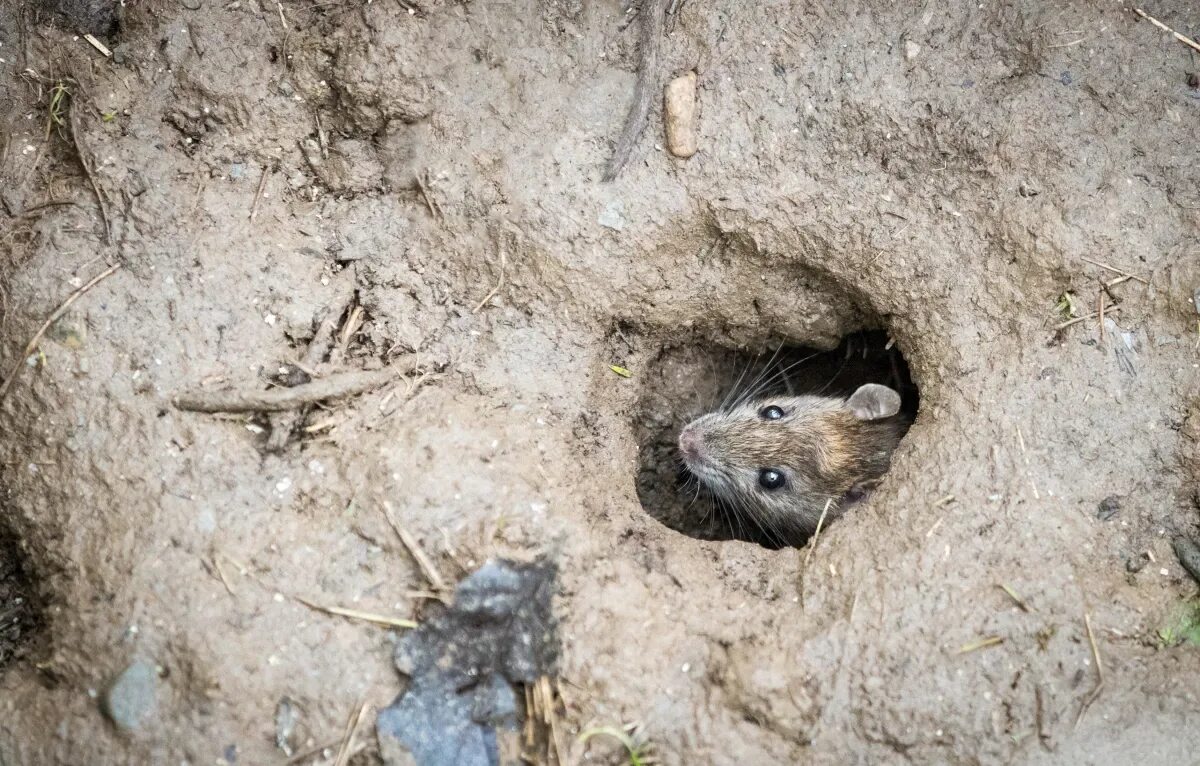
(1066, 306)
(624, 373)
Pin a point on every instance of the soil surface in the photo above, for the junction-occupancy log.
(943, 174)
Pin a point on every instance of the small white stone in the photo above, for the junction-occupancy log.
(911, 50)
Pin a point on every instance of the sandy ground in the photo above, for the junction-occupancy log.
(941, 175)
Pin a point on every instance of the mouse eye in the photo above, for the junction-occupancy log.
(771, 413)
(770, 478)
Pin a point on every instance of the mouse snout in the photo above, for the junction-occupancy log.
(691, 442)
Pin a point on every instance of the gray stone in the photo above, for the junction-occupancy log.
(613, 216)
(131, 699)
(462, 704)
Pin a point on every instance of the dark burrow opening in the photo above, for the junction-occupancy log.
(19, 614)
(690, 379)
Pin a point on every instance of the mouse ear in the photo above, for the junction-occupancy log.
(874, 402)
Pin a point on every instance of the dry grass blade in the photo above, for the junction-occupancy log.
(58, 312)
(499, 284)
(427, 568)
(355, 614)
(1020, 602)
(343, 756)
(982, 643)
(1107, 310)
(1095, 694)
(816, 534)
(262, 184)
(311, 753)
(1114, 270)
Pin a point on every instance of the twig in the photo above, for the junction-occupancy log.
(1114, 270)
(414, 550)
(1181, 38)
(283, 424)
(639, 110)
(98, 45)
(817, 532)
(262, 180)
(30, 211)
(499, 283)
(434, 209)
(412, 386)
(87, 170)
(352, 324)
(1040, 715)
(1077, 320)
(1100, 313)
(336, 386)
(355, 614)
(343, 756)
(1087, 622)
(58, 312)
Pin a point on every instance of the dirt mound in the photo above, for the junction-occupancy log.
(1006, 193)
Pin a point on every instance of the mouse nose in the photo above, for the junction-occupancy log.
(690, 442)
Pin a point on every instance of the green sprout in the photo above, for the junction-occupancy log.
(1184, 626)
(56, 114)
(1066, 307)
(635, 746)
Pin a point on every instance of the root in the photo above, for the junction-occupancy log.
(639, 110)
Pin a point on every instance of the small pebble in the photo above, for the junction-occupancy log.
(130, 700)
(911, 50)
(679, 109)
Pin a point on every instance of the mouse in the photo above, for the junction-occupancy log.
(782, 465)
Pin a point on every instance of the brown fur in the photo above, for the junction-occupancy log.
(823, 449)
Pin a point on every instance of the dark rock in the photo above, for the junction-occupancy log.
(98, 17)
(1189, 556)
(131, 699)
(1108, 508)
(1136, 563)
(462, 705)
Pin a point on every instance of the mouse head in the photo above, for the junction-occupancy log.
(779, 460)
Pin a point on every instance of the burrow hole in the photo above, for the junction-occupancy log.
(20, 616)
(690, 379)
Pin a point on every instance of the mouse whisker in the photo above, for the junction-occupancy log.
(763, 384)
